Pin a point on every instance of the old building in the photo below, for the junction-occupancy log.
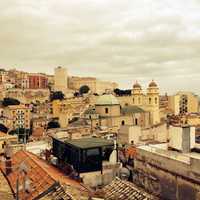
(61, 79)
(148, 102)
(170, 170)
(108, 113)
(37, 81)
(32, 178)
(68, 108)
(95, 85)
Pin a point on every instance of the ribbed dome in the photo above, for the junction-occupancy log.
(107, 99)
(153, 84)
(136, 85)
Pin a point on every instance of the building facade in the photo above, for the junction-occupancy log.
(184, 102)
(148, 102)
(108, 113)
(37, 81)
(18, 116)
(61, 79)
(95, 85)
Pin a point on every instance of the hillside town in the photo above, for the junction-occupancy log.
(64, 137)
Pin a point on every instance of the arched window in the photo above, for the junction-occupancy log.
(156, 100)
(123, 122)
(136, 121)
(139, 100)
(150, 100)
(133, 100)
(106, 110)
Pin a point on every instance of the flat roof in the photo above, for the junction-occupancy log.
(162, 150)
(86, 143)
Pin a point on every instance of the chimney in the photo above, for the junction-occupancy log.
(182, 138)
(8, 166)
(8, 161)
(188, 138)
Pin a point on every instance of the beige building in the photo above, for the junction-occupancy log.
(95, 85)
(61, 79)
(66, 109)
(6, 139)
(184, 102)
(148, 102)
(27, 96)
(18, 116)
(141, 135)
(108, 113)
(170, 170)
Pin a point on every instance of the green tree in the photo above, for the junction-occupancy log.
(10, 101)
(58, 95)
(84, 89)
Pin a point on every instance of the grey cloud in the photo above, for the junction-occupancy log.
(118, 40)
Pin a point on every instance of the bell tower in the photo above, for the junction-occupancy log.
(137, 94)
(152, 101)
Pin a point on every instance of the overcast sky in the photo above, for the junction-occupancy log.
(118, 40)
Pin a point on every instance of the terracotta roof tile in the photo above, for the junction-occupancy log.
(40, 175)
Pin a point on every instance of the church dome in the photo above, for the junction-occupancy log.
(136, 85)
(107, 99)
(153, 84)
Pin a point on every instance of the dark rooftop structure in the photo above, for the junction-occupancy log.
(85, 155)
(87, 143)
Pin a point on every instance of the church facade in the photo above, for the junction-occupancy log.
(148, 101)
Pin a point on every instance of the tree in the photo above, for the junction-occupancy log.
(76, 94)
(10, 101)
(117, 91)
(84, 89)
(58, 95)
(53, 124)
(3, 128)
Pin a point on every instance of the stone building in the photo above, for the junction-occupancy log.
(66, 109)
(95, 85)
(170, 170)
(108, 113)
(61, 79)
(148, 102)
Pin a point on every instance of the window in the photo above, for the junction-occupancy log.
(106, 110)
(156, 100)
(149, 100)
(133, 100)
(123, 123)
(136, 121)
(139, 100)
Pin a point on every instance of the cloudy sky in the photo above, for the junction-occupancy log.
(118, 40)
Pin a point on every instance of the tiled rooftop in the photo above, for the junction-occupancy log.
(5, 191)
(41, 175)
(119, 189)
